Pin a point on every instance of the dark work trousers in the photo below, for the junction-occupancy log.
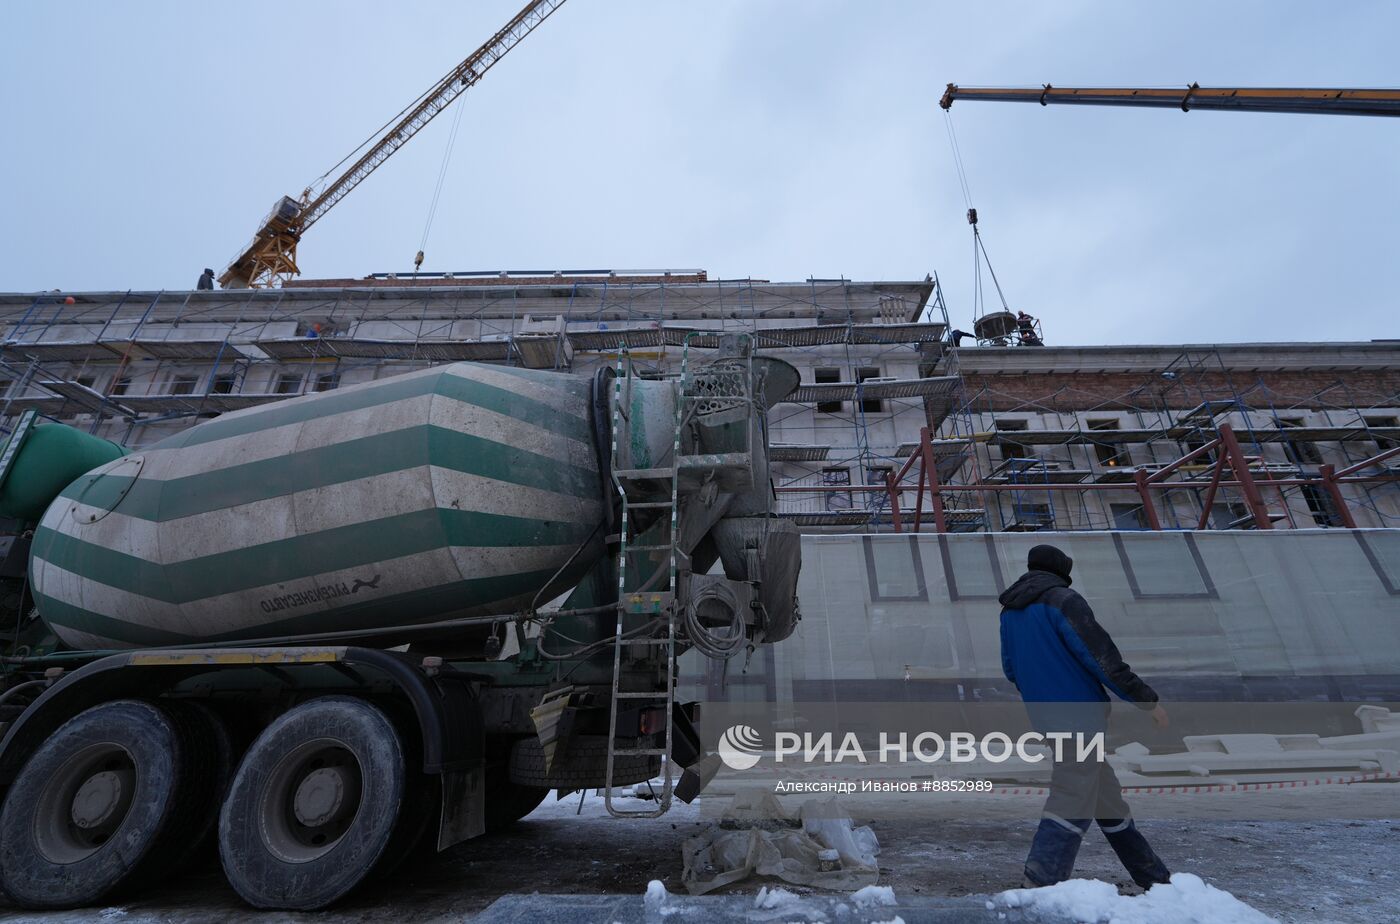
(1081, 791)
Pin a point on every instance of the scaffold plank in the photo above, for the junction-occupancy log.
(66, 351)
(779, 452)
(850, 391)
(87, 397)
(357, 348)
(174, 349)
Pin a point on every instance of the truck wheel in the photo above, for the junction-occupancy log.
(414, 841)
(206, 739)
(507, 802)
(313, 805)
(89, 807)
(583, 767)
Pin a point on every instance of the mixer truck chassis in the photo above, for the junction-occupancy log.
(328, 633)
(338, 745)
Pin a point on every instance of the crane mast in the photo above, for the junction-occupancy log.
(1242, 99)
(270, 258)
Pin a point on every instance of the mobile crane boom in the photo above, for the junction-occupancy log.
(270, 258)
(1248, 99)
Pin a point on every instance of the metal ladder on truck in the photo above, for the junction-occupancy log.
(635, 599)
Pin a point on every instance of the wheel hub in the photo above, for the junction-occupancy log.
(319, 796)
(97, 799)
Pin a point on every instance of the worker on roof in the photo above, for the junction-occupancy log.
(1025, 330)
(206, 280)
(1064, 664)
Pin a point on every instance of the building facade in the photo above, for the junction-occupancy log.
(1024, 438)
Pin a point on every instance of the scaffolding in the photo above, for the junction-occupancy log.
(139, 366)
(885, 419)
(1192, 424)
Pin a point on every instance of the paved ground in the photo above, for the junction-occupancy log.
(1295, 869)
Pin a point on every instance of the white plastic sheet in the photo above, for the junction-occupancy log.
(758, 837)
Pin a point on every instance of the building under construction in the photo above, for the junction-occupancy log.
(892, 429)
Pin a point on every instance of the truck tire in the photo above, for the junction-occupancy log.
(209, 744)
(584, 766)
(98, 805)
(415, 838)
(507, 802)
(313, 805)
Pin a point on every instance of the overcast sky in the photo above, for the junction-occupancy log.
(771, 139)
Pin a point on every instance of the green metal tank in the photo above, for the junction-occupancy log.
(456, 491)
(41, 459)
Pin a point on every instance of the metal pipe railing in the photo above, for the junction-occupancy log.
(1244, 479)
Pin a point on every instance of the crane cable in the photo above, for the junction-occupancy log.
(979, 250)
(437, 190)
(373, 136)
(977, 242)
(957, 158)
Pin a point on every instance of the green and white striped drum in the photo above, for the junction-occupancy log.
(450, 492)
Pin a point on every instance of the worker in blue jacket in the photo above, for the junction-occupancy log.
(1064, 664)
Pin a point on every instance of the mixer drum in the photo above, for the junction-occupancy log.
(454, 491)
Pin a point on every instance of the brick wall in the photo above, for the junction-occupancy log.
(1079, 391)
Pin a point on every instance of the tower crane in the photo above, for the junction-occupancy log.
(1245, 99)
(271, 257)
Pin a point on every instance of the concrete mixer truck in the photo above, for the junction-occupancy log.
(328, 632)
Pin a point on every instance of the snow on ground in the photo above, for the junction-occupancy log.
(772, 898)
(1186, 900)
(1321, 859)
(656, 900)
(874, 895)
(776, 904)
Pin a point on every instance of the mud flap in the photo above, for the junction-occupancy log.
(463, 805)
(696, 777)
(687, 752)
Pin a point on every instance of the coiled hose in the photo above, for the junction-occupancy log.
(707, 640)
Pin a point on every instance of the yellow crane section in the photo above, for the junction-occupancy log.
(271, 257)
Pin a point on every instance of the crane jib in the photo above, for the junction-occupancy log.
(271, 256)
(1330, 101)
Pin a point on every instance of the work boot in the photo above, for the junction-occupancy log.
(1053, 850)
(1136, 855)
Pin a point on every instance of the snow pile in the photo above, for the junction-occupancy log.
(875, 895)
(828, 824)
(774, 898)
(1186, 900)
(656, 899)
(656, 895)
(781, 906)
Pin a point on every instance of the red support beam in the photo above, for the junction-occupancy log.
(1209, 502)
(1367, 463)
(1339, 503)
(940, 521)
(894, 501)
(1162, 473)
(919, 503)
(1240, 468)
(1148, 508)
(982, 487)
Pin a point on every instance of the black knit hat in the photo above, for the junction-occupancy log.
(1049, 558)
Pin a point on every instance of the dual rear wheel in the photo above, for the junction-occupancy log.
(129, 791)
(120, 794)
(315, 806)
